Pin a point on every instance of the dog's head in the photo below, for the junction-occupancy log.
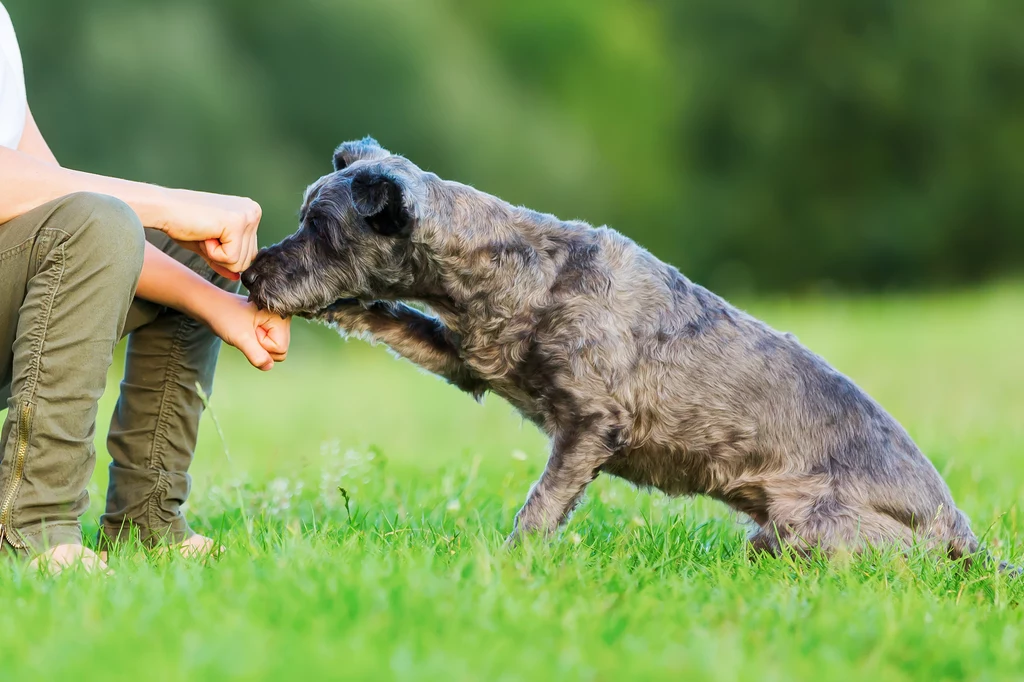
(354, 238)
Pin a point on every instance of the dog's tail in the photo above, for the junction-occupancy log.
(953, 528)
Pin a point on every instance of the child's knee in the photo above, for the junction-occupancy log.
(105, 229)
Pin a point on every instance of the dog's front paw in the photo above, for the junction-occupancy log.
(513, 540)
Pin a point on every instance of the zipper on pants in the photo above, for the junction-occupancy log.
(20, 452)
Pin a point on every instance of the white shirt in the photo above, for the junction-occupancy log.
(12, 85)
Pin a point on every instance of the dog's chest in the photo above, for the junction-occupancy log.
(525, 402)
(670, 470)
(647, 469)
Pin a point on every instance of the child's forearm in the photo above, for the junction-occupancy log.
(28, 181)
(224, 226)
(167, 282)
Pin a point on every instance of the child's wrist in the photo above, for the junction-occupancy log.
(204, 300)
(154, 205)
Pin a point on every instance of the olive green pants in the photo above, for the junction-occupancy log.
(68, 272)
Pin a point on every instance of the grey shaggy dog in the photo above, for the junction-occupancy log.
(630, 368)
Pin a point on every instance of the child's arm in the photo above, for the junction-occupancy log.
(262, 336)
(222, 229)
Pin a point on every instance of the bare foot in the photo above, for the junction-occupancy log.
(195, 546)
(59, 558)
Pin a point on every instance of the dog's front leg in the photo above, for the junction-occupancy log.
(417, 337)
(576, 459)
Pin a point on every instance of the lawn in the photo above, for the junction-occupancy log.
(409, 579)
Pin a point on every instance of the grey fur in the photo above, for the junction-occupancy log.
(629, 367)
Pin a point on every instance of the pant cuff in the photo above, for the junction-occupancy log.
(43, 536)
(111, 534)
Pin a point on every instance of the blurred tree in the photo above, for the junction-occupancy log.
(863, 142)
(774, 145)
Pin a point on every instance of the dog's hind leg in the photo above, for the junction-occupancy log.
(411, 334)
(824, 522)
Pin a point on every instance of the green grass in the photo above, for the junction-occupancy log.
(414, 583)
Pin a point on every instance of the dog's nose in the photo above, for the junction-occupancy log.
(249, 278)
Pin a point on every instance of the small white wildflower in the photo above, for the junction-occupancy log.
(348, 469)
(280, 492)
(576, 538)
(519, 455)
(453, 505)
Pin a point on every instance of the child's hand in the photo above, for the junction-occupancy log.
(262, 336)
(274, 333)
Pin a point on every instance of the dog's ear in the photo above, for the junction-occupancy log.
(367, 149)
(378, 198)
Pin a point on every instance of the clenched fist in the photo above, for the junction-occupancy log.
(220, 228)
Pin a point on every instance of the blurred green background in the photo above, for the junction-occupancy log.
(787, 145)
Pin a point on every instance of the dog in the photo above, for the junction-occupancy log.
(629, 367)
